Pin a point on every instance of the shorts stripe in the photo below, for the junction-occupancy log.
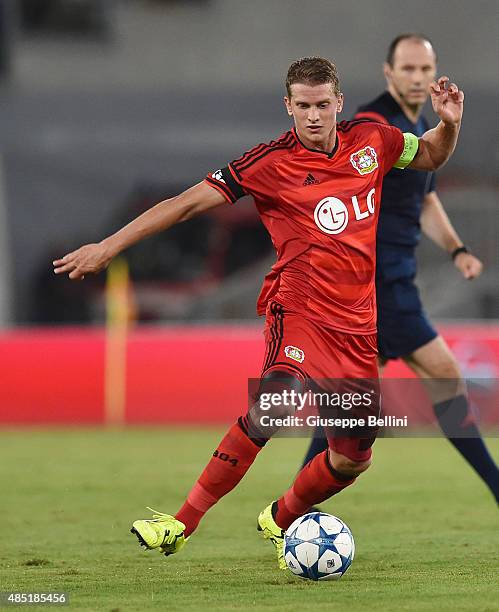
(270, 346)
(277, 332)
(274, 332)
(279, 318)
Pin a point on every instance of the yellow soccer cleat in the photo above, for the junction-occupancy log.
(163, 531)
(271, 531)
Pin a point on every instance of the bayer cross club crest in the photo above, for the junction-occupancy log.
(365, 160)
(293, 352)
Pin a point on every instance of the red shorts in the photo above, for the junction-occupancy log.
(313, 354)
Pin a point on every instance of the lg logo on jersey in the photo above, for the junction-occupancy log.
(331, 214)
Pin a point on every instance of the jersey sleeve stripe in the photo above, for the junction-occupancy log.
(248, 164)
(249, 153)
(261, 146)
(248, 158)
(254, 154)
(373, 116)
(346, 126)
(235, 173)
(237, 177)
(222, 189)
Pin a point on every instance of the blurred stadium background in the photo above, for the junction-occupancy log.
(111, 105)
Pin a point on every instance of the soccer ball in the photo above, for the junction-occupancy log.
(318, 546)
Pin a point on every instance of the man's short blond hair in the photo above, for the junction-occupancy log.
(313, 71)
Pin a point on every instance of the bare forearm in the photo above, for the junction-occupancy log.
(157, 219)
(92, 258)
(439, 143)
(437, 226)
(163, 215)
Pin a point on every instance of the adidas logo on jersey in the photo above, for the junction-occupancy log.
(310, 180)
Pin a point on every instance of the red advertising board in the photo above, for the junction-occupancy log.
(186, 374)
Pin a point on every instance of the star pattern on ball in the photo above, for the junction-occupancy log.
(318, 546)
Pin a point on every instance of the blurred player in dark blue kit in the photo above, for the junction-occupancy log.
(410, 204)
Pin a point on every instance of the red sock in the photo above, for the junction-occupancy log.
(230, 462)
(314, 484)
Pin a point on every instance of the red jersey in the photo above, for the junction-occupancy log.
(321, 211)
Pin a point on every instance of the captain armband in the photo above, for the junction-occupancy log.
(411, 145)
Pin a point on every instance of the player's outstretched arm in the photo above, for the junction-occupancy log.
(92, 258)
(438, 144)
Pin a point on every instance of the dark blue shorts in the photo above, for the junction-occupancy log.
(403, 325)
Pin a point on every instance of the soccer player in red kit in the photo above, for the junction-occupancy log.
(317, 189)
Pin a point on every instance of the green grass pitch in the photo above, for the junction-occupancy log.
(426, 529)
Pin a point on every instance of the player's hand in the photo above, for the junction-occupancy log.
(447, 100)
(469, 265)
(88, 259)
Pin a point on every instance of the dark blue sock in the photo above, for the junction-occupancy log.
(318, 444)
(466, 438)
